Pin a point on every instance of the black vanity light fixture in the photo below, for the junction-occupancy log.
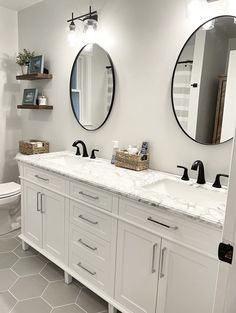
(89, 20)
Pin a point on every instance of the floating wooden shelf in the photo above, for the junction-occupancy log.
(35, 107)
(34, 76)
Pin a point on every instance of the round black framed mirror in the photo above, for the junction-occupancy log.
(92, 86)
(202, 82)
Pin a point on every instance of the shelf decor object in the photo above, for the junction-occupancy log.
(35, 107)
(30, 96)
(36, 64)
(36, 76)
(33, 146)
(23, 59)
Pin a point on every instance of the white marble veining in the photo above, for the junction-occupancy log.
(134, 185)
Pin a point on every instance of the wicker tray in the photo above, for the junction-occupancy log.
(31, 146)
(132, 162)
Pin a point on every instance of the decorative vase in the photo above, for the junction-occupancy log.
(24, 69)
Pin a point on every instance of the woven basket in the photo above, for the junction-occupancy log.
(31, 147)
(132, 162)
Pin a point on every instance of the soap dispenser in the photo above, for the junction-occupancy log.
(115, 149)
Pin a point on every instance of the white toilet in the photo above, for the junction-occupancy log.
(9, 206)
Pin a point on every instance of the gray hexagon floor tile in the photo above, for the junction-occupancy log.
(72, 308)
(52, 272)
(29, 287)
(7, 245)
(7, 279)
(90, 302)
(28, 266)
(7, 302)
(21, 253)
(7, 260)
(36, 305)
(59, 293)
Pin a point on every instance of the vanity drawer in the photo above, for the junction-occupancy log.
(85, 243)
(45, 178)
(91, 195)
(172, 227)
(92, 272)
(91, 220)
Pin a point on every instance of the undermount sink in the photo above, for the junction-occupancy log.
(71, 160)
(189, 192)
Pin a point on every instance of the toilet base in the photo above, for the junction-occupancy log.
(8, 223)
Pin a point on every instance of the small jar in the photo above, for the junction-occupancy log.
(42, 100)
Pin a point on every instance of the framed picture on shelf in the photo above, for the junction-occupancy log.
(30, 96)
(36, 64)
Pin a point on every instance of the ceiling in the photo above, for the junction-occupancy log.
(18, 5)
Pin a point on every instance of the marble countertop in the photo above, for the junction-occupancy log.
(101, 173)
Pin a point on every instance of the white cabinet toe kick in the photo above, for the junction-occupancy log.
(138, 258)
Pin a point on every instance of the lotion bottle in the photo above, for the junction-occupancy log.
(115, 149)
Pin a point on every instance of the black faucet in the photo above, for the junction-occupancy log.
(201, 173)
(217, 183)
(75, 144)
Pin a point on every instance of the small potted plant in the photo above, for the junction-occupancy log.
(23, 59)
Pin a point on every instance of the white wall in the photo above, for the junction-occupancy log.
(10, 122)
(144, 40)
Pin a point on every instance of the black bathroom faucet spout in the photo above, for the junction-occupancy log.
(76, 143)
(201, 173)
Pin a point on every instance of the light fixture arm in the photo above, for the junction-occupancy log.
(91, 15)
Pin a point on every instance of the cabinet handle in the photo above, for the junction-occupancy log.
(41, 200)
(85, 269)
(89, 196)
(162, 262)
(154, 257)
(39, 177)
(162, 224)
(87, 220)
(86, 245)
(38, 210)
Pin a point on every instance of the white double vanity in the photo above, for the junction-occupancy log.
(123, 234)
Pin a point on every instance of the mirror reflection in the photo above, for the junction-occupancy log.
(92, 86)
(202, 85)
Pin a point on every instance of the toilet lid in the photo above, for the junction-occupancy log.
(9, 189)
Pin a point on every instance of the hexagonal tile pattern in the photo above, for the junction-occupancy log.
(52, 272)
(7, 279)
(21, 253)
(59, 293)
(72, 308)
(36, 305)
(29, 287)
(7, 245)
(7, 260)
(29, 282)
(90, 302)
(7, 302)
(28, 266)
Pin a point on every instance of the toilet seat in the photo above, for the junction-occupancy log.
(9, 190)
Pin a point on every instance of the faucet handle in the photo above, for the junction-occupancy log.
(185, 174)
(217, 183)
(93, 156)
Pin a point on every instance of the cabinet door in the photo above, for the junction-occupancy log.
(32, 213)
(137, 269)
(187, 280)
(53, 209)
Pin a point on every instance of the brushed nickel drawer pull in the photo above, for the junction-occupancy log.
(162, 224)
(85, 269)
(154, 257)
(89, 196)
(39, 177)
(162, 262)
(87, 220)
(86, 245)
(38, 194)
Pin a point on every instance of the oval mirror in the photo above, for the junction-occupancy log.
(92, 86)
(202, 83)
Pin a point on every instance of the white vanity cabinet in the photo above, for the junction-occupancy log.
(137, 268)
(44, 219)
(139, 258)
(187, 280)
